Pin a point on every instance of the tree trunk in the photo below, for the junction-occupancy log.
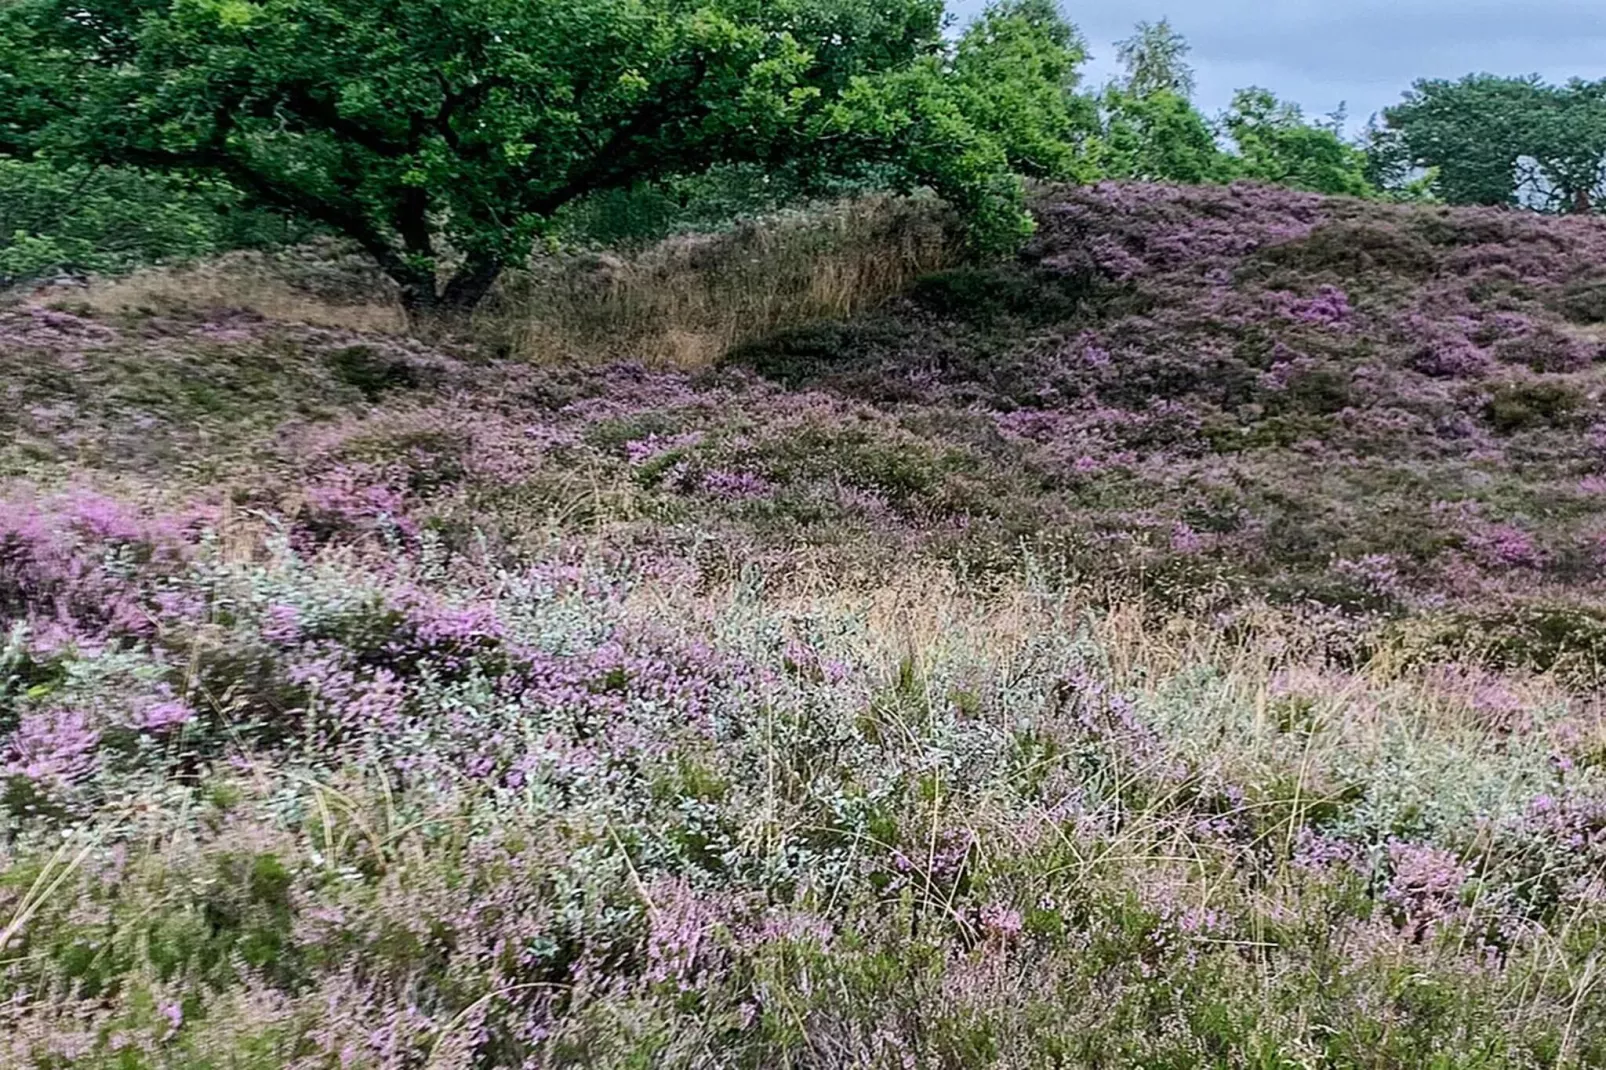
(416, 290)
(468, 287)
(430, 307)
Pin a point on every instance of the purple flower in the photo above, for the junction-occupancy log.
(1184, 540)
(162, 716)
(1316, 852)
(1426, 881)
(281, 624)
(1002, 921)
(55, 747)
(736, 486)
(1329, 307)
(1503, 545)
(1377, 574)
(641, 451)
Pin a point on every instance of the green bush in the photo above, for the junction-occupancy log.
(108, 219)
(1522, 406)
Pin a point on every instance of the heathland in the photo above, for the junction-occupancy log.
(1178, 646)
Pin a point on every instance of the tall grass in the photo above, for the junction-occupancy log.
(323, 284)
(682, 302)
(687, 301)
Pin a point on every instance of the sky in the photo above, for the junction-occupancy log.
(1364, 53)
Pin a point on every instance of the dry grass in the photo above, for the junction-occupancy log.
(321, 284)
(684, 302)
(689, 300)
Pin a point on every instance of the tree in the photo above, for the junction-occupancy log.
(443, 135)
(1160, 137)
(1155, 61)
(1150, 129)
(1275, 144)
(1564, 166)
(1017, 69)
(1502, 141)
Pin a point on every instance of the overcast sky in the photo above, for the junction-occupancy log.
(1363, 52)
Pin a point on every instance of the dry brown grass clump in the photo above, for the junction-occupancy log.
(324, 284)
(687, 301)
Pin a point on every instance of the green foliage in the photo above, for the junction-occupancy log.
(1470, 131)
(1155, 61)
(1501, 141)
(1151, 131)
(443, 139)
(1523, 405)
(1017, 70)
(706, 203)
(106, 219)
(1567, 143)
(1275, 144)
(1159, 136)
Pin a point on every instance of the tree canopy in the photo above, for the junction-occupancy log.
(448, 138)
(1155, 58)
(1502, 141)
(1276, 144)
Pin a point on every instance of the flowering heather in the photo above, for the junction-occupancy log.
(1181, 648)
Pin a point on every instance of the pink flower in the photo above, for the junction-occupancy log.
(165, 715)
(1002, 921)
(54, 747)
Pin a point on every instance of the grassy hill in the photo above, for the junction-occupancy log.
(1178, 647)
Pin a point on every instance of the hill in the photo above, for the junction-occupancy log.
(1178, 647)
(1217, 396)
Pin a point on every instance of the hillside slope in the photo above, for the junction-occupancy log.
(1222, 396)
(1365, 405)
(1122, 657)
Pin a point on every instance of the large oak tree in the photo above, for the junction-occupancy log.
(443, 135)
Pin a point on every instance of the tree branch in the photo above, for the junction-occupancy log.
(300, 100)
(609, 166)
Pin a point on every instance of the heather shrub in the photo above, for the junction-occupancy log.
(956, 825)
(1199, 672)
(1523, 405)
(1584, 301)
(1354, 250)
(372, 373)
(1569, 640)
(1546, 349)
(983, 295)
